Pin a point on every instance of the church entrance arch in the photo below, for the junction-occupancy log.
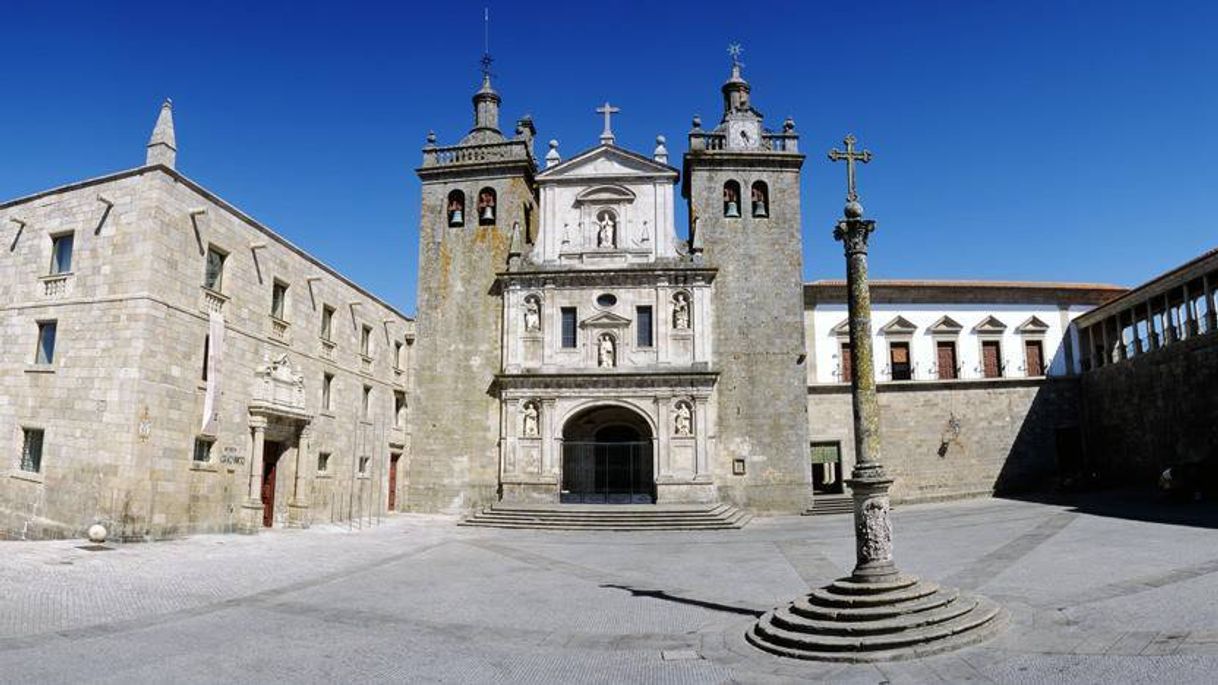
(607, 457)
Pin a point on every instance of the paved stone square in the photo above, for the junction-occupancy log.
(1104, 591)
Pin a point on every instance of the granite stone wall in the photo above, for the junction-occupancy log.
(1009, 430)
(1153, 410)
(759, 336)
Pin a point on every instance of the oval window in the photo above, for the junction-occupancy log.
(606, 300)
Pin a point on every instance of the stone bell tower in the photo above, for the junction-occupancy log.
(477, 194)
(742, 185)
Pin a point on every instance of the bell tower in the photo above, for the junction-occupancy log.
(741, 182)
(475, 196)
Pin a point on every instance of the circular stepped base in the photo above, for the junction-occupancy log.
(903, 618)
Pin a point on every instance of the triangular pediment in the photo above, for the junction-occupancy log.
(842, 330)
(899, 326)
(605, 320)
(946, 325)
(605, 162)
(990, 324)
(1033, 325)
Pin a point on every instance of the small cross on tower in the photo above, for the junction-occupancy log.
(851, 157)
(608, 110)
(735, 51)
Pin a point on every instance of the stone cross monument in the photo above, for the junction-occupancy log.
(877, 613)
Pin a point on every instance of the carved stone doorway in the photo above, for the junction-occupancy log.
(608, 458)
(272, 451)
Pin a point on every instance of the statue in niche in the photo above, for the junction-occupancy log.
(683, 420)
(532, 314)
(566, 234)
(531, 415)
(605, 352)
(606, 235)
(644, 235)
(680, 311)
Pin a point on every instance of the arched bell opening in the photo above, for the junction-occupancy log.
(608, 457)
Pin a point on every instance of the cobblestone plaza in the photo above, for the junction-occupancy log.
(1104, 590)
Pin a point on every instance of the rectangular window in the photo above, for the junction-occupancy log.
(367, 400)
(323, 462)
(31, 450)
(46, 342)
(847, 364)
(898, 357)
(206, 351)
(643, 326)
(202, 450)
(399, 409)
(991, 359)
(363, 465)
(365, 341)
(946, 359)
(327, 322)
(1034, 357)
(327, 385)
(568, 326)
(279, 299)
(397, 355)
(61, 253)
(213, 271)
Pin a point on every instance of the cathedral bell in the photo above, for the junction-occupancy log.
(488, 213)
(759, 208)
(456, 217)
(731, 209)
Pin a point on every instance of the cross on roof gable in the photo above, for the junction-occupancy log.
(607, 161)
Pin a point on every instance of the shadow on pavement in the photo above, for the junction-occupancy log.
(1134, 504)
(661, 594)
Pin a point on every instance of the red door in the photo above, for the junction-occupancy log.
(1034, 354)
(393, 481)
(947, 360)
(270, 464)
(990, 355)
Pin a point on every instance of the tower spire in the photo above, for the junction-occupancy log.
(163, 145)
(486, 100)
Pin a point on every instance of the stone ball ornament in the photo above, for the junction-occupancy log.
(97, 533)
(853, 210)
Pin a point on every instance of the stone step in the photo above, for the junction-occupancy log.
(768, 631)
(611, 517)
(828, 505)
(805, 608)
(787, 619)
(828, 597)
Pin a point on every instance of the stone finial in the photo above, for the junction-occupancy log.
(431, 139)
(788, 125)
(552, 157)
(697, 123)
(163, 146)
(661, 152)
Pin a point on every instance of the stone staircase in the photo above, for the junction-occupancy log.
(619, 517)
(825, 505)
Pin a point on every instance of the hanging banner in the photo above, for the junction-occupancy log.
(215, 348)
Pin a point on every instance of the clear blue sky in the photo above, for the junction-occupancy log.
(1012, 140)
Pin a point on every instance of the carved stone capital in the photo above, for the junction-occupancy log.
(853, 233)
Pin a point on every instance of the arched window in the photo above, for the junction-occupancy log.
(761, 199)
(456, 208)
(486, 206)
(731, 199)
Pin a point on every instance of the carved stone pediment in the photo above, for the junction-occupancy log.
(606, 194)
(607, 161)
(842, 330)
(946, 325)
(991, 324)
(605, 320)
(899, 326)
(278, 386)
(1033, 325)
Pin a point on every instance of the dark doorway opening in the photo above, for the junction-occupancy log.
(607, 458)
(271, 451)
(393, 481)
(827, 477)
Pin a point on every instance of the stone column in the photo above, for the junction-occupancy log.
(298, 505)
(1211, 317)
(1152, 338)
(251, 510)
(1169, 321)
(869, 482)
(1190, 316)
(1133, 323)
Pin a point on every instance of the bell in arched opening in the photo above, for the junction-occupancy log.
(731, 199)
